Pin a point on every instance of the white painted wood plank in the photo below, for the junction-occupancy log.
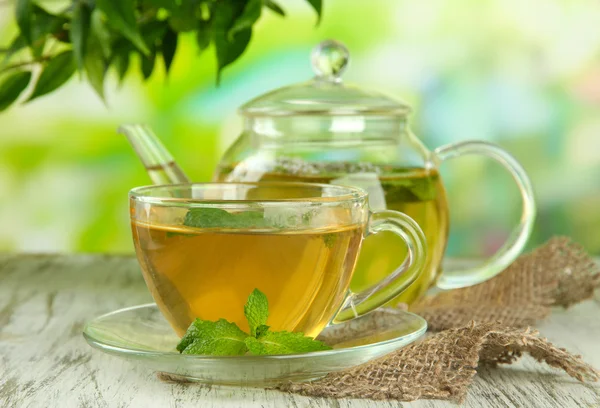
(44, 361)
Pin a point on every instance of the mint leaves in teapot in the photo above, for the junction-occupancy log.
(223, 338)
(399, 184)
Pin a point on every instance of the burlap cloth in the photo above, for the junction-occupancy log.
(484, 324)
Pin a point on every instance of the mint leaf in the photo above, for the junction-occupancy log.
(262, 329)
(207, 218)
(217, 218)
(256, 311)
(220, 338)
(246, 219)
(330, 240)
(409, 189)
(223, 338)
(197, 327)
(283, 342)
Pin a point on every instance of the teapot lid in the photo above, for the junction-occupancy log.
(325, 94)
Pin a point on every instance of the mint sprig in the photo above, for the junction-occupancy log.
(256, 311)
(223, 338)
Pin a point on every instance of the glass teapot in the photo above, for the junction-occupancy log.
(328, 132)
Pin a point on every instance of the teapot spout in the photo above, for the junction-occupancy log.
(158, 162)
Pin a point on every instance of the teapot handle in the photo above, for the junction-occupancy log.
(520, 234)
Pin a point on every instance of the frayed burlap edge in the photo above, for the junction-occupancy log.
(443, 365)
(559, 273)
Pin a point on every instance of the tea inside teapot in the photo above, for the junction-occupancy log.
(417, 192)
(325, 131)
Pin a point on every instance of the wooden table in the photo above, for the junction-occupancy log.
(45, 362)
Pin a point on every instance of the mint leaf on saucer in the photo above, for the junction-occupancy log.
(223, 338)
(262, 329)
(256, 310)
(283, 342)
(220, 338)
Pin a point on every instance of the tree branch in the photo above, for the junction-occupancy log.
(26, 63)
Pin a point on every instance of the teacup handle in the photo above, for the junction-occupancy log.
(358, 304)
(520, 234)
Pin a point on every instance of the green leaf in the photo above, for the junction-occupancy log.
(23, 15)
(80, 28)
(203, 35)
(58, 71)
(275, 7)
(207, 218)
(184, 17)
(121, 51)
(99, 33)
(12, 87)
(15, 46)
(193, 332)
(166, 4)
(317, 5)
(217, 218)
(410, 190)
(246, 20)
(220, 338)
(256, 310)
(228, 48)
(95, 66)
(168, 48)
(36, 24)
(225, 338)
(227, 51)
(121, 16)
(283, 342)
(154, 31)
(262, 329)
(148, 62)
(330, 239)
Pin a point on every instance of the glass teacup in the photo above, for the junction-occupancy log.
(204, 248)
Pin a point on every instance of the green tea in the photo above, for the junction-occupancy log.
(209, 272)
(417, 192)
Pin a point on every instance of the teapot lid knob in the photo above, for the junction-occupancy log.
(329, 60)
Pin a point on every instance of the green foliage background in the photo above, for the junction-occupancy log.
(523, 74)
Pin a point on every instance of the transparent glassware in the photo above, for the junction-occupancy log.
(326, 131)
(141, 335)
(204, 248)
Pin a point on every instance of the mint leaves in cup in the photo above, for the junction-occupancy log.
(223, 338)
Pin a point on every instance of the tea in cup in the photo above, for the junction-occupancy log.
(204, 248)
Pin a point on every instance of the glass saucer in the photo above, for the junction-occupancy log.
(142, 335)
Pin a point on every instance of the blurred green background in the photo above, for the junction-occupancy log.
(525, 75)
